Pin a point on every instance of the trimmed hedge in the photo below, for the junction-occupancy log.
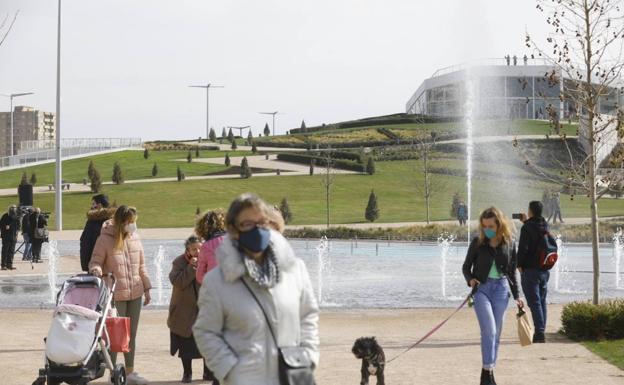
(305, 158)
(586, 321)
(401, 118)
(428, 233)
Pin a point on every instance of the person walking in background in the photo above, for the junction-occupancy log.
(490, 269)
(211, 228)
(231, 330)
(118, 250)
(556, 208)
(534, 280)
(27, 255)
(183, 309)
(462, 214)
(9, 226)
(96, 216)
(38, 233)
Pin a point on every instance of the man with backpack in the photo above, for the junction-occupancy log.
(537, 253)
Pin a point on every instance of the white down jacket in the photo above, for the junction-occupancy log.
(231, 331)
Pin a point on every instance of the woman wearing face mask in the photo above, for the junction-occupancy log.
(118, 250)
(231, 331)
(490, 269)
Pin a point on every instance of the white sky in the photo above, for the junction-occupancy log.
(126, 64)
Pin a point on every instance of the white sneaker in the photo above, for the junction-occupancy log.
(134, 379)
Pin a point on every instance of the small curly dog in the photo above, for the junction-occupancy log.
(373, 359)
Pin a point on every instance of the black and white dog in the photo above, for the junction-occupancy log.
(373, 359)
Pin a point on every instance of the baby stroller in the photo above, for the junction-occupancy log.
(77, 348)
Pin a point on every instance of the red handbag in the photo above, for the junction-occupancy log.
(118, 329)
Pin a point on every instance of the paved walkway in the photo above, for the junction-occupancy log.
(449, 357)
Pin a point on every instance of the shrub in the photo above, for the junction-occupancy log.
(311, 166)
(234, 145)
(285, 210)
(586, 321)
(117, 174)
(180, 174)
(372, 210)
(227, 160)
(230, 136)
(155, 170)
(197, 152)
(266, 131)
(254, 149)
(305, 158)
(90, 169)
(370, 166)
(24, 180)
(245, 170)
(96, 181)
(189, 157)
(212, 135)
(33, 179)
(145, 153)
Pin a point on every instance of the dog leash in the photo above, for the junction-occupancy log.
(435, 328)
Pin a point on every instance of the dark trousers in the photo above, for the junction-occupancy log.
(535, 288)
(36, 249)
(188, 370)
(8, 249)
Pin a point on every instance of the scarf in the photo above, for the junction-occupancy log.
(266, 274)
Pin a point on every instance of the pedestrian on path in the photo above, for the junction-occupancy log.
(555, 203)
(27, 255)
(99, 213)
(258, 278)
(534, 280)
(183, 309)
(38, 234)
(490, 269)
(118, 250)
(9, 226)
(211, 228)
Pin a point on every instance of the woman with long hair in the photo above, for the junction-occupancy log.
(118, 250)
(258, 273)
(490, 269)
(211, 228)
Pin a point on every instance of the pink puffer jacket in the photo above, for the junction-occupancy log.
(127, 265)
(207, 259)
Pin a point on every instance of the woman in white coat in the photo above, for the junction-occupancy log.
(231, 331)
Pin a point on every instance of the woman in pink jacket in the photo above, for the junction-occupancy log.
(119, 250)
(211, 228)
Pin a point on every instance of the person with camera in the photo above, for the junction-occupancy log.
(38, 232)
(9, 225)
(27, 255)
(534, 280)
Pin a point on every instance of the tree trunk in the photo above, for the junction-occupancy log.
(594, 209)
(427, 190)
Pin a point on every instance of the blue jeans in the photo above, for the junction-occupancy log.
(535, 288)
(27, 246)
(490, 304)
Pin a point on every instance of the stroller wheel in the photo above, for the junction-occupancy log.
(119, 375)
(53, 381)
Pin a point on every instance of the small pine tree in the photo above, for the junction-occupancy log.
(311, 166)
(24, 180)
(230, 136)
(33, 179)
(267, 131)
(254, 149)
(372, 211)
(303, 126)
(285, 210)
(212, 135)
(227, 160)
(180, 174)
(96, 181)
(197, 211)
(90, 170)
(155, 170)
(117, 174)
(145, 154)
(370, 166)
(189, 157)
(245, 170)
(223, 133)
(250, 136)
(234, 145)
(197, 152)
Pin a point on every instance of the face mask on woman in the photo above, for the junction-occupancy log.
(489, 233)
(130, 228)
(255, 240)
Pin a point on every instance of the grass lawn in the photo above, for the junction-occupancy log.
(612, 351)
(133, 165)
(398, 186)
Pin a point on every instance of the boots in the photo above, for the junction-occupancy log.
(539, 338)
(487, 377)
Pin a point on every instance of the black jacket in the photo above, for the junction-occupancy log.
(479, 260)
(91, 232)
(37, 221)
(531, 234)
(12, 222)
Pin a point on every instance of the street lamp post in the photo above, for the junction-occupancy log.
(207, 87)
(58, 203)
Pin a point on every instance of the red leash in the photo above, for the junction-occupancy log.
(435, 329)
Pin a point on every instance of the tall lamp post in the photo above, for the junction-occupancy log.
(58, 203)
(207, 87)
(271, 113)
(11, 96)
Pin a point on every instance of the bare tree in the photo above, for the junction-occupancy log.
(585, 47)
(328, 179)
(424, 146)
(3, 26)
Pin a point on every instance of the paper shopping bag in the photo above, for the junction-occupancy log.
(118, 329)
(525, 330)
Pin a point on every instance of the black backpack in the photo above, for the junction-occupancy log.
(547, 251)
